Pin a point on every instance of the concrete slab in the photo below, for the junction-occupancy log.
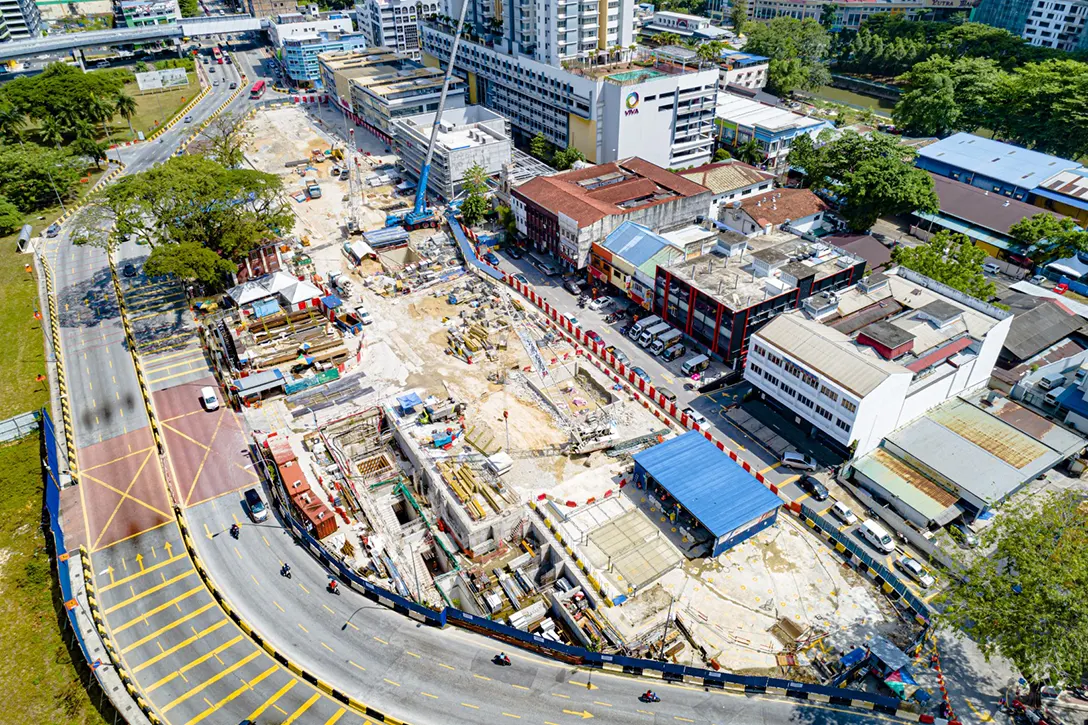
(638, 553)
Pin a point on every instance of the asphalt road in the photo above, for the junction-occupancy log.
(425, 675)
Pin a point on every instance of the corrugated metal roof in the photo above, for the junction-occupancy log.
(830, 353)
(1011, 164)
(707, 483)
(989, 433)
(1047, 432)
(907, 484)
(634, 243)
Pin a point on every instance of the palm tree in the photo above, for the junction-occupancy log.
(12, 121)
(51, 131)
(710, 51)
(750, 152)
(666, 39)
(98, 111)
(125, 106)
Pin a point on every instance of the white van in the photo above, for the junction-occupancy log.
(875, 534)
(696, 364)
(991, 268)
(1054, 395)
(638, 326)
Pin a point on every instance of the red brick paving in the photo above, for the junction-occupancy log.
(121, 490)
(207, 449)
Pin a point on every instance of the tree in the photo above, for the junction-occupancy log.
(1025, 600)
(721, 155)
(10, 217)
(942, 96)
(189, 8)
(929, 108)
(738, 16)
(1049, 237)
(189, 261)
(951, 259)
(797, 49)
(804, 156)
(65, 93)
(189, 200)
(566, 158)
(51, 132)
(885, 185)
(539, 147)
(509, 222)
(827, 16)
(474, 209)
(126, 107)
(12, 120)
(662, 39)
(224, 140)
(85, 145)
(710, 51)
(1044, 106)
(29, 173)
(750, 152)
(475, 205)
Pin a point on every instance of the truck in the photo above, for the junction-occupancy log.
(665, 341)
(649, 335)
(643, 324)
(313, 189)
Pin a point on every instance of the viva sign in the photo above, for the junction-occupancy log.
(632, 104)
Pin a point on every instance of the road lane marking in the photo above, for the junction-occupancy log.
(146, 592)
(303, 628)
(304, 588)
(151, 612)
(427, 694)
(198, 661)
(645, 712)
(181, 645)
(302, 708)
(269, 702)
(443, 664)
(279, 607)
(521, 687)
(254, 580)
(381, 640)
(413, 654)
(357, 665)
(137, 575)
(330, 649)
(480, 677)
(508, 714)
(326, 606)
(332, 720)
(246, 686)
(474, 707)
(166, 628)
(559, 694)
(352, 626)
(681, 719)
(598, 702)
(394, 684)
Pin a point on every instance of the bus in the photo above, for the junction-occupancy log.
(218, 55)
(257, 90)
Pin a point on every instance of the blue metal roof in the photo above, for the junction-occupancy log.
(707, 482)
(634, 243)
(1063, 198)
(995, 159)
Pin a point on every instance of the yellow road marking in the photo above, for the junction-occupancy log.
(332, 720)
(381, 640)
(427, 694)
(176, 622)
(137, 575)
(198, 661)
(211, 681)
(474, 707)
(303, 628)
(245, 686)
(268, 703)
(443, 664)
(521, 687)
(354, 664)
(598, 702)
(516, 717)
(330, 649)
(413, 654)
(681, 719)
(304, 588)
(151, 590)
(480, 677)
(394, 684)
(352, 626)
(279, 607)
(181, 645)
(326, 606)
(143, 617)
(558, 694)
(302, 708)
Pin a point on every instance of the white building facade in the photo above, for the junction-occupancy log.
(817, 366)
(393, 23)
(19, 20)
(307, 25)
(1059, 24)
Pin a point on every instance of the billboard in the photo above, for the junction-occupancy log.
(158, 79)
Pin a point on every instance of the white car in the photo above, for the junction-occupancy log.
(599, 304)
(209, 398)
(843, 513)
(364, 316)
(910, 566)
(695, 416)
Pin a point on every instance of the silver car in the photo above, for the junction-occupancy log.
(799, 461)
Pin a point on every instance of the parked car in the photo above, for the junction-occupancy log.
(592, 336)
(843, 513)
(514, 253)
(963, 535)
(639, 372)
(129, 270)
(600, 303)
(695, 416)
(667, 394)
(53, 230)
(799, 461)
(619, 355)
(209, 398)
(491, 259)
(572, 286)
(910, 566)
(521, 278)
(812, 486)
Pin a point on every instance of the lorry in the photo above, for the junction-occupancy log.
(638, 326)
(649, 335)
(665, 341)
(313, 189)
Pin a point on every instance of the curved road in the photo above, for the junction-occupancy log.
(197, 666)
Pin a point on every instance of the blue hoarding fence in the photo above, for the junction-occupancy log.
(468, 250)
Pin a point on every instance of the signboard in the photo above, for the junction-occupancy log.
(157, 79)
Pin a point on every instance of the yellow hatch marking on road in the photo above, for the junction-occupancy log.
(330, 649)
(245, 687)
(198, 661)
(474, 707)
(152, 590)
(151, 612)
(302, 708)
(332, 720)
(413, 654)
(355, 664)
(179, 646)
(268, 703)
(443, 664)
(394, 684)
(212, 680)
(166, 628)
(427, 694)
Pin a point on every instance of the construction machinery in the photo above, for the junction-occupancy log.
(421, 215)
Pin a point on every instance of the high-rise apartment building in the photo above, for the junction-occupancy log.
(850, 14)
(1060, 24)
(394, 23)
(19, 20)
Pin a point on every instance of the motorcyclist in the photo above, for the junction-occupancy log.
(332, 585)
(503, 658)
(285, 570)
(234, 530)
(650, 695)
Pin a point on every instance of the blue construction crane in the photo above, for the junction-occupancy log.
(422, 215)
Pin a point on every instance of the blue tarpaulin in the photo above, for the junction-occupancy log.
(264, 308)
(331, 302)
(706, 482)
(409, 402)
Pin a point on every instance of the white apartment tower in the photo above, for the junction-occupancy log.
(394, 24)
(1060, 24)
(19, 20)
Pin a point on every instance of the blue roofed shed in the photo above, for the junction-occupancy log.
(723, 498)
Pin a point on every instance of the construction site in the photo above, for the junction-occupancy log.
(413, 410)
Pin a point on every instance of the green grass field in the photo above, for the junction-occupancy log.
(154, 106)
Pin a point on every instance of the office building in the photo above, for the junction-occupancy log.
(859, 364)
(20, 20)
(743, 70)
(307, 24)
(377, 86)
(300, 37)
(607, 111)
(850, 14)
(1059, 24)
(393, 23)
(686, 26)
(140, 13)
(721, 298)
(742, 119)
(566, 213)
(466, 136)
(271, 8)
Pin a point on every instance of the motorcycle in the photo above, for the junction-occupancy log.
(649, 697)
(234, 530)
(285, 571)
(332, 588)
(501, 660)
(1080, 692)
